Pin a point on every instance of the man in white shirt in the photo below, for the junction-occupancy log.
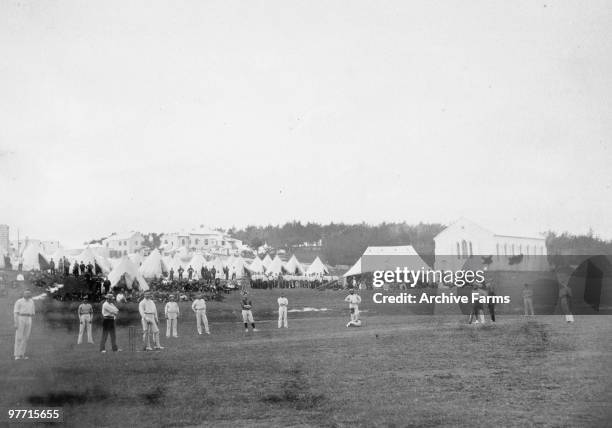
(109, 313)
(22, 315)
(353, 300)
(85, 313)
(171, 311)
(282, 311)
(148, 313)
(199, 307)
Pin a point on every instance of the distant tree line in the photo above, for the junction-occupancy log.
(342, 243)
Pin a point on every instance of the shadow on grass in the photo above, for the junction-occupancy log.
(296, 392)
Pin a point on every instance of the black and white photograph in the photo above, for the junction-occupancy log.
(232, 213)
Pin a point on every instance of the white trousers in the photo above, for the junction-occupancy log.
(201, 319)
(85, 325)
(22, 335)
(247, 316)
(149, 328)
(528, 303)
(569, 318)
(354, 314)
(282, 316)
(172, 324)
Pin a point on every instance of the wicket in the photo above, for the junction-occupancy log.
(132, 339)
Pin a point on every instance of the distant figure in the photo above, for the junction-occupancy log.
(199, 308)
(213, 273)
(52, 266)
(528, 300)
(203, 273)
(23, 312)
(180, 272)
(247, 315)
(148, 313)
(66, 267)
(282, 311)
(109, 313)
(82, 267)
(233, 272)
(171, 311)
(226, 271)
(354, 300)
(90, 269)
(491, 304)
(75, 269)
(106, 285)
(171, 274)
(85, 313)
(189, 273)
(565, 298)
(477, 314)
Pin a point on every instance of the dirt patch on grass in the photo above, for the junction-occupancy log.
(296, 392)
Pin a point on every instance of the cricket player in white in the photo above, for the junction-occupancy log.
(353, 300)
(282, 310)
(22, 314)
(171, 312)
(148, 312)
(199, 307)
(85, 313)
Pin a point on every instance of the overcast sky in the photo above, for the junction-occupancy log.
(158, 116)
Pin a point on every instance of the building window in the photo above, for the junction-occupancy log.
(464, 250)
(223, 243)
(125, 243)
(125, 252)
(165, 241)
(206, 242)
(197, 241)
(183, 241)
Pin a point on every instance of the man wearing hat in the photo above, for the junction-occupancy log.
(199, 307)
(148, 312)
(247, 315)
(109, 313)
(171, 311)
(353, 300)
(85, 313)
(22, 314)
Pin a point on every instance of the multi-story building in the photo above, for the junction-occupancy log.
(201, 239)
(122, 244)
(5, 244)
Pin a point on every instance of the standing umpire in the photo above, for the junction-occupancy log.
(109, 313)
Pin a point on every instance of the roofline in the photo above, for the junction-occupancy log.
(520, 237)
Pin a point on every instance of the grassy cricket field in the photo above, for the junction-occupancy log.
(396, 370)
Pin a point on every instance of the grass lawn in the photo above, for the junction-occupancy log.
(395, 371)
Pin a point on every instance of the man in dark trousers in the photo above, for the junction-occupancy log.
(205, 274)
(82, 267)
(213, 273)
(75, 269)
(109, 313)
(52, 266)
(180, 272)
(171, 274)
(190, 273)
(66, 267)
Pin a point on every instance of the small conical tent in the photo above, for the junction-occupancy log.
(317, 268)
(136, 258)
(33, 258)
(256, 266)
(128, 270)
(197, 263)
(294, 267)
(87, 256)
(153, 266)
(266, 261)
(276, 267)
(354, 270)
(239, 267)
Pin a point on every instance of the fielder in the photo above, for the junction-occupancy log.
(282, 310)
(109, 314)
(22, 314)
(199, 307)
(171, 311)
(148, 312)
(353, 300)
(247, 316)
(85, 313)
